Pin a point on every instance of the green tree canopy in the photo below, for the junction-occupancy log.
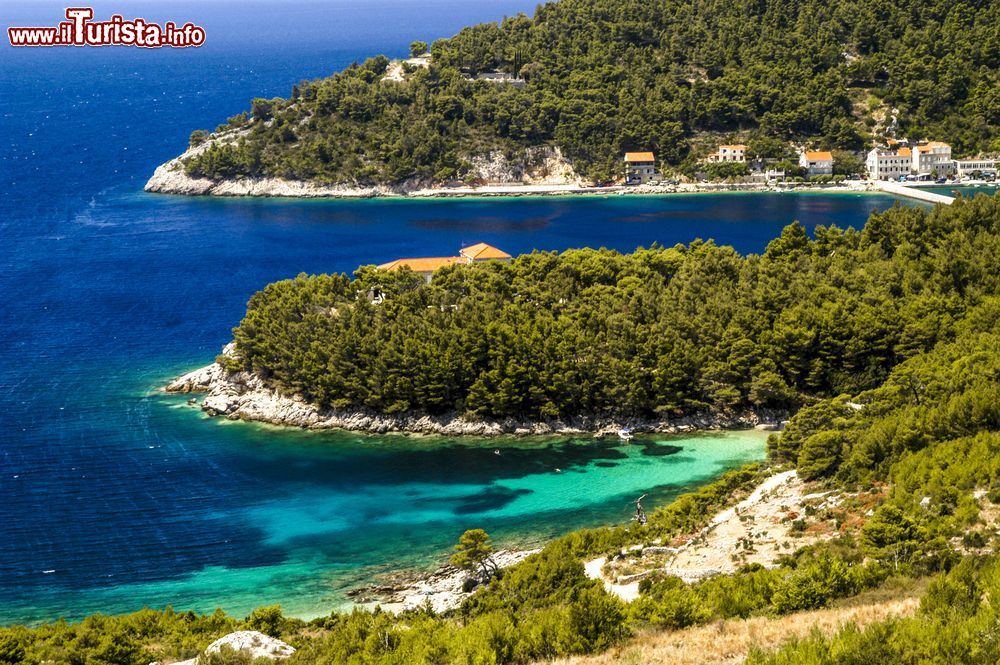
(418, 48)
(474, 551)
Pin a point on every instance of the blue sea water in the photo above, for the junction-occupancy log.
(113, 496)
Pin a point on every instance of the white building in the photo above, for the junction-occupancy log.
(640, 168)
(933, 156)
(888, 165)
(817, 163)
(731, 153)
(968, 166)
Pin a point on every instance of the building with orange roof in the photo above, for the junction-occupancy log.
(817, 162)
(428, 265)
(640, 168)
(483, 252)
(932, 157)
(885, 164)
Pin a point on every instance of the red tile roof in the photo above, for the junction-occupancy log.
(478, 252)
(423, 264)
(481, 251)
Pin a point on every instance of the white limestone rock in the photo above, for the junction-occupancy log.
(246, 396)
(256, 644)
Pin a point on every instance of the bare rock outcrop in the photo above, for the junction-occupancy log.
(251, 642)
(541, 165)
(444, 589)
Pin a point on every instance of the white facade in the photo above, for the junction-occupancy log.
(731, 153)
(967, 166)
(817, 163)
(640, 168)
(885, 165)
(933, 156)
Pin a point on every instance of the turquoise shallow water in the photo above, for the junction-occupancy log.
(237, 514)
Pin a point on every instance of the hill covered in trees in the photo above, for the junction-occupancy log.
(605, 76)
(660, 332)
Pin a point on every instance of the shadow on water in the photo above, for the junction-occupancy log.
(655, 449)
(443, 462)
(483, 223)
(492, 498)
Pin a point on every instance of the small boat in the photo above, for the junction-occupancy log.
(625, 433)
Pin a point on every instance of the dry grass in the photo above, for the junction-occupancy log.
(729, 642)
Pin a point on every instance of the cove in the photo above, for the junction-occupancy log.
(217, 513)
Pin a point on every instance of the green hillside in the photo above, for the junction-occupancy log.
(605, 76)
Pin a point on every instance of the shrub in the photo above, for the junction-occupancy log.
(268, 620)
(597, 619)
(669, 603)
(197, 137)
(821, 581)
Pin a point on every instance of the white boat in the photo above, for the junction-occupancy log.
(625, 433)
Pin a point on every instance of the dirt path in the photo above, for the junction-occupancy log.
(781, 515)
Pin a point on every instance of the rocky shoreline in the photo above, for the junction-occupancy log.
(538, 171)
(245, 396)
(444, 588)
(170, 178)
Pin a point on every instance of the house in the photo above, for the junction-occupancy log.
(730, 153)
(483, 252)
(932, 156)
(817, 163)
(640, 168)
(888, 165)
(501, 77)
(424, 266)
(427, 266)
(964, 167)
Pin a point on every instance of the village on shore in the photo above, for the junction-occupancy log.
(893, 160)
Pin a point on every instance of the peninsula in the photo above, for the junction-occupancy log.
(558, 102)
(664, 339)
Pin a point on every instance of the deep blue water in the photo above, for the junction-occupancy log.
(112, 496)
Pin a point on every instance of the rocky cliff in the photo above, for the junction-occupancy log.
(541, 165)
